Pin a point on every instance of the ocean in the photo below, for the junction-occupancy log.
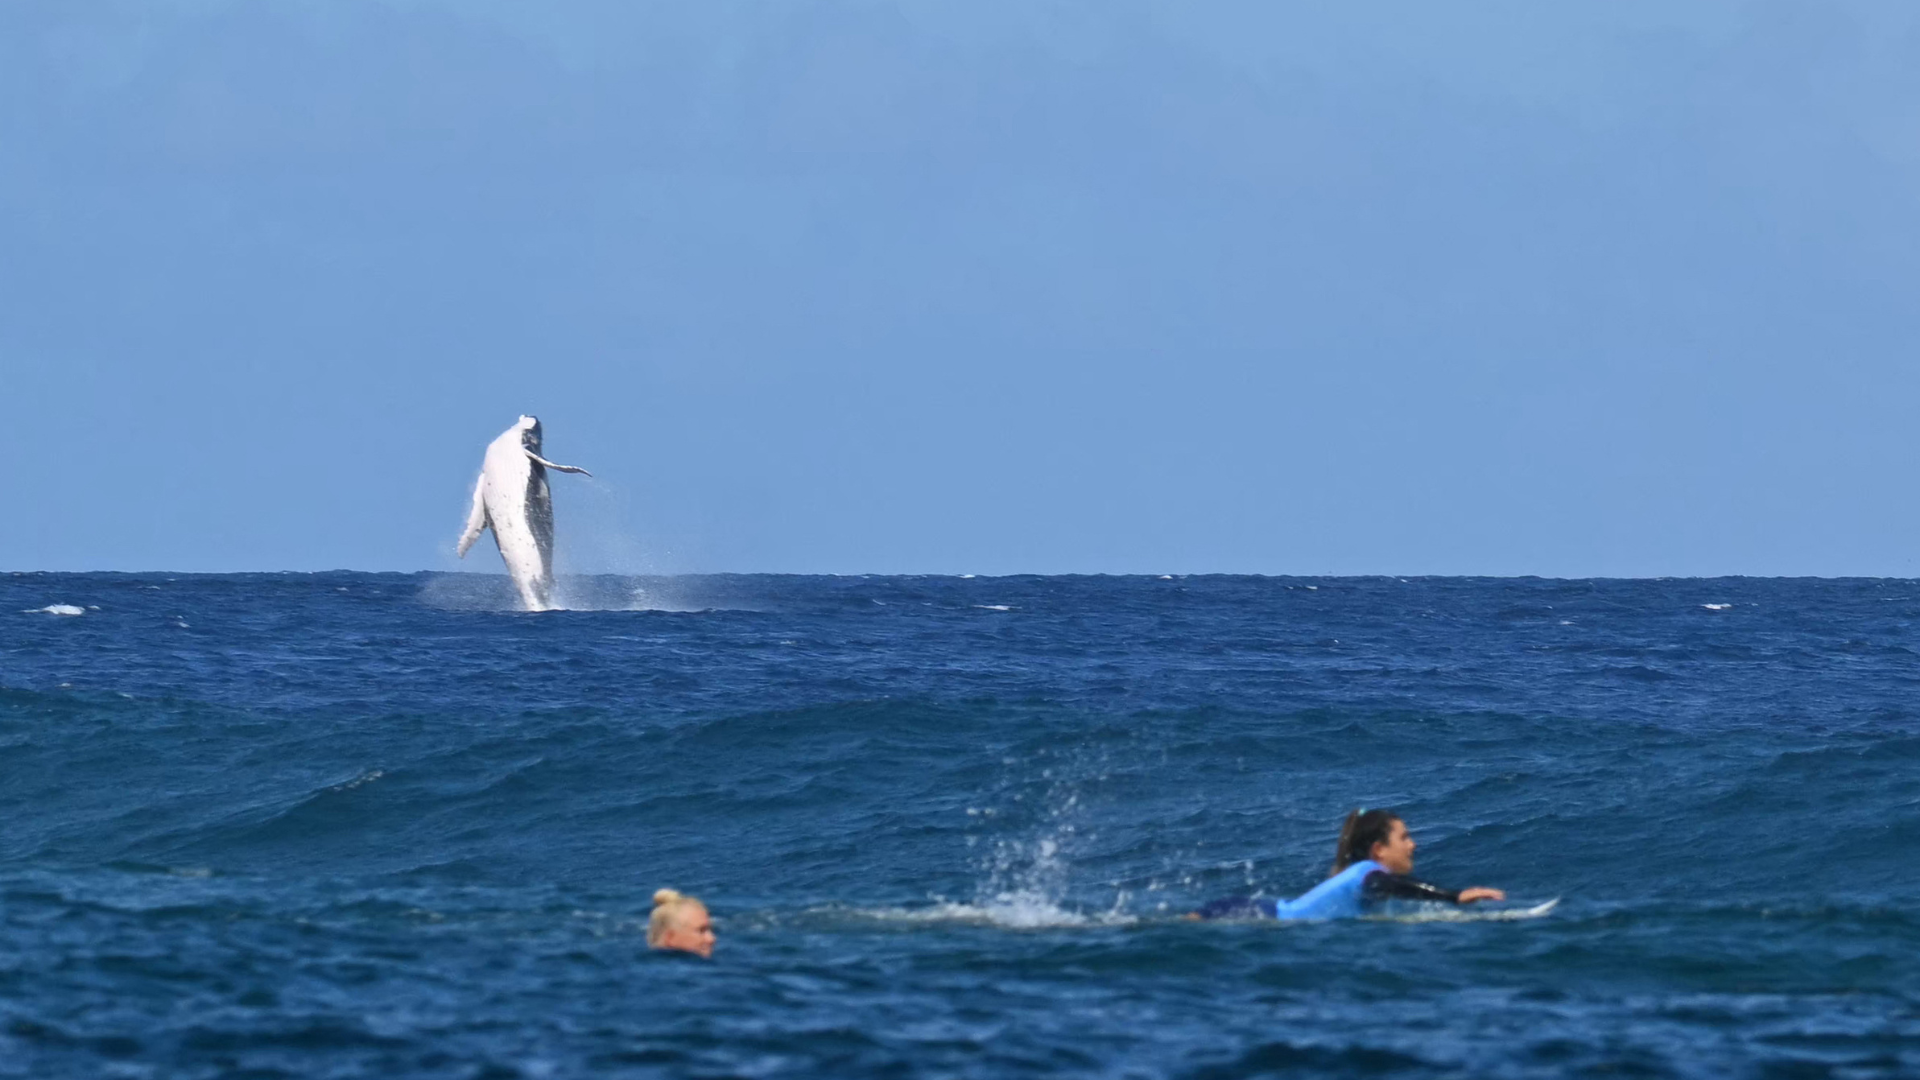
(379, 825)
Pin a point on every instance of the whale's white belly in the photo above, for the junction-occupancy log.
(511, 498)
(520, 510)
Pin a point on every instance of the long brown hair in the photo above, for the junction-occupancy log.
(1362, 829)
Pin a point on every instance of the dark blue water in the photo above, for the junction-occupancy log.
(361, 825)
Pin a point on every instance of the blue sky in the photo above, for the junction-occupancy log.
(1036, 286)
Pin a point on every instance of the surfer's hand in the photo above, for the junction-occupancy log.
(1468, 896)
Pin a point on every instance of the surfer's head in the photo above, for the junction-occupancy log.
(1379, 835)
(680, 922)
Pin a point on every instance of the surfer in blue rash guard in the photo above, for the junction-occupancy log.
(1372, 864)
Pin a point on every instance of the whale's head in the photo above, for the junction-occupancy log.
(529, 428)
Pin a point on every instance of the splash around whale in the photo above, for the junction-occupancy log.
(511, 498)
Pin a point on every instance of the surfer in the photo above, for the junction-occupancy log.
(1372, 864)
(680, 923)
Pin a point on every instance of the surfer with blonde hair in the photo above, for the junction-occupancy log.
(680, 923)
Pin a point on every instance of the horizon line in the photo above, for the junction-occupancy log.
(962, 576)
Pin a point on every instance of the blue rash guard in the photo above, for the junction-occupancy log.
(1353, 891)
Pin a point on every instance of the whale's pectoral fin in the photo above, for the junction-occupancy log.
(561, 468)
(476, 517)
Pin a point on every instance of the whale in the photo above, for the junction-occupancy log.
(512, 499)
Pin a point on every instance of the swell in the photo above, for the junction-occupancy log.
(300, 824)
(902, 799)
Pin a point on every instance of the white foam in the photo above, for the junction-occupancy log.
(1034, 910)
(1716, 607)
(994, 607)
(1008, 911)
(367, 777)
(605, 592)
(643, 602)
(57, 609)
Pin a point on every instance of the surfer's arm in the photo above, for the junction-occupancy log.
(476, 518)
(561, 468)
(1381, 885)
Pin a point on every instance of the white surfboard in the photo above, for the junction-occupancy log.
(1468, 914)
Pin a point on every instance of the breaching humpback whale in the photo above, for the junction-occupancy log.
(512, 499)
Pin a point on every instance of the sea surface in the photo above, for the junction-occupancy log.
(365, 825)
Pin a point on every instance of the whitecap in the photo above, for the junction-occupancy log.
(57, 609)
(367, 777)
(994, 607)
(1716, 607)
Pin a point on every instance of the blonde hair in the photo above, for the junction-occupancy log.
(666, 907)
